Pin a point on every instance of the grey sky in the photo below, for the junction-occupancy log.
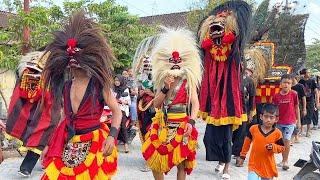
(153, 7)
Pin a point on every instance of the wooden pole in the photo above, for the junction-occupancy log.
(26, 29)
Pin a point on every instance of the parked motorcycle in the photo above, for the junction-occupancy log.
(309, 169)
(107, 118)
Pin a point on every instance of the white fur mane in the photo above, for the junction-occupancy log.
(183, 41)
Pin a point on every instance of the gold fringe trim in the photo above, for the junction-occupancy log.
(22, 148)
(235, 121)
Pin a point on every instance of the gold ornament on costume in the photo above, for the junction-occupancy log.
(31, 85)
(30, 68)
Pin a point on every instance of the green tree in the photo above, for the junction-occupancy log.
(11, 37)
(313, 55)
(41, 20)
(261, 14)
(121, 29)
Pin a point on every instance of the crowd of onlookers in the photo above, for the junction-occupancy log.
(126, 92)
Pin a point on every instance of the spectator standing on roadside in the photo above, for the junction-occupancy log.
(289, 114)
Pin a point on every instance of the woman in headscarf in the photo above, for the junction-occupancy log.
(123, 98)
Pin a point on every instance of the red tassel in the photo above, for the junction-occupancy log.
(107, 167)
(79, 169)
(93, 169)
(86, 137)
(228, 38)
(94, 147)
(194, 133)
(45, 177)
(63, 177)
(153, 137)
(155, 126)
(163, 150)
(191, 156)
(58, 163)
(71, 178)
(174, 143)
(184, 151)
(180, 131)
(170, 158)
(207, 44)
(149, 151)
(72, 43)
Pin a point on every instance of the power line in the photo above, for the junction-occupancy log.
(314, 19)
(314, 25)
(154, 7)
(129, 4)
(312, 29)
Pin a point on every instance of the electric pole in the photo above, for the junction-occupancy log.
(154, 8)
(26, 29)
(290, 6)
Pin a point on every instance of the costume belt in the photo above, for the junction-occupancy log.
(77, 126)
(177, 108)
(175, 113)
(87, 130)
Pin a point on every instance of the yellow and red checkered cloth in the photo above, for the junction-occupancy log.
(264, 93)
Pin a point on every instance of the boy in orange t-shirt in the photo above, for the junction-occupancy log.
(266, 140)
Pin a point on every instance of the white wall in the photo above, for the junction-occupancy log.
(7, 82)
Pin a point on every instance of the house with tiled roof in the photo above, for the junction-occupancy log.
(4, 19)
(179, 19)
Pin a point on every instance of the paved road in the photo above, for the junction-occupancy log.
(129, 164)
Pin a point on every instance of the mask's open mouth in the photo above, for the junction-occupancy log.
(73, 63)
(175, 67)
(217, 32)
